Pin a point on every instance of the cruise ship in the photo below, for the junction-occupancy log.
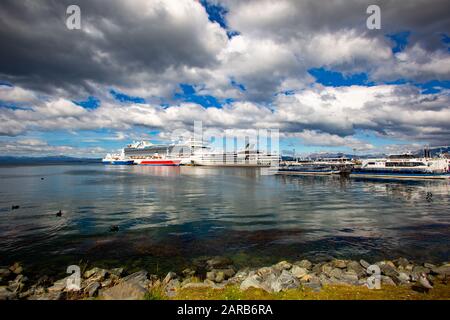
(191, 152)
(403, 166)
(175, 154)
(247, 157)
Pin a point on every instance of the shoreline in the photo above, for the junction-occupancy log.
(218, 278)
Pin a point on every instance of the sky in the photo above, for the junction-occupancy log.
(147, 69)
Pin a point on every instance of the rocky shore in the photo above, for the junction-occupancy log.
(219, 273)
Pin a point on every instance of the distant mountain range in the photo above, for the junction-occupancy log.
(46, 160)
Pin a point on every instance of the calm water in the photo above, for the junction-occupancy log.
(170, 216)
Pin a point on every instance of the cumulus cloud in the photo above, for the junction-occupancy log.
(146, 48)
(33, 147)
(324, 115)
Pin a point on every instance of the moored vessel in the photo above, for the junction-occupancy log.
(404, 166)
(117, 159)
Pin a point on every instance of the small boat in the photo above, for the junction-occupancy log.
(311, 168)
(403, 167)
(122, 162)
(117, 159)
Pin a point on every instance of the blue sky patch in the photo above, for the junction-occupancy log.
(238, 85)
(446, 40)
(90, 103)
(337, 79)
(434, 86)
(122, 97)
(400, 40)
(217, 13)
(189, 94)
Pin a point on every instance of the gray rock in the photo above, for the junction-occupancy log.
(188, 272)
(326, 269)
(385, 280)
(423, 281)
(239, 276)
(228, 273)
(357, 268)
(252, 281)
(6, 294)
(96, 274)
(429, 265)
(318, 268)
(298, 271)
(107, 283)
(284, 282)
(126, 290)
(403, 277)
(364, 263)
(283, 265)
(409, 267)
(401, 262)
(172, 287)
(314, 286)
(140, 276)
(116, 271)
(304, 264)
(336, 273)
(211, 275)
(324, 280)
(388, 270)
(220, 276)
(170, 276)
(59, 285)
(265, 271)
(92, 288)
(443, 270)
(350, 277)
(338, 263)
(421, 269)
(309, 278)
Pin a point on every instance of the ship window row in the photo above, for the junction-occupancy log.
(404, 164)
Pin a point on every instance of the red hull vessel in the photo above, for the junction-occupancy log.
(158, 162)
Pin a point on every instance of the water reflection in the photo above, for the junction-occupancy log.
(192, 211)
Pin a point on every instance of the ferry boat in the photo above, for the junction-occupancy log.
(319, 166)
(404, 166)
